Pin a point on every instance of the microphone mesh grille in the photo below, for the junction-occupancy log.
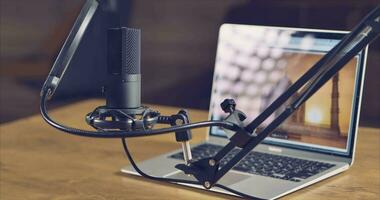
(131, 50)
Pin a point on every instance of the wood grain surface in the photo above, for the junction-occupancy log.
(39, 162)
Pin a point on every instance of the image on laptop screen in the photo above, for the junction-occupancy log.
(254, 65)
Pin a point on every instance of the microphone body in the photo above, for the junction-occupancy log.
(123, 109)
(123, 87)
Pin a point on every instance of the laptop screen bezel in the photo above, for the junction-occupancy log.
(356, 103)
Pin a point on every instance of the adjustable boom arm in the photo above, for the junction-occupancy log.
(70, 47)
(208, 171)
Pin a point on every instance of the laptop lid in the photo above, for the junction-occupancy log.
(255, 64)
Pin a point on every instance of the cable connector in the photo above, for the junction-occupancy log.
(49, 86)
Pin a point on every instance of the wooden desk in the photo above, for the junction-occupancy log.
(39, 162)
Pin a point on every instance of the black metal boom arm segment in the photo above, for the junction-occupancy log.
(70, 46)
(208, 171)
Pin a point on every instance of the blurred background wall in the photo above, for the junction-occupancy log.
(179, 40)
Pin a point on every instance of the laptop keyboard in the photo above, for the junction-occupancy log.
(264, 164)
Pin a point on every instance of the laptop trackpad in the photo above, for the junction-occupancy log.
(229, 179)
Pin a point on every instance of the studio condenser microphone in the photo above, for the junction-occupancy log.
(123, 87)
(123, 109)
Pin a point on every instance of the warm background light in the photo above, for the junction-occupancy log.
(314, 116)
(298, 64)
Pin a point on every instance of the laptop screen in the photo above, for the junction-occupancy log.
(256, 64)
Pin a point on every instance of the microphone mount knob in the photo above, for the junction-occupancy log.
(228, 105)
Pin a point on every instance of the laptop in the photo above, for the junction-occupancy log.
(254, 65)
